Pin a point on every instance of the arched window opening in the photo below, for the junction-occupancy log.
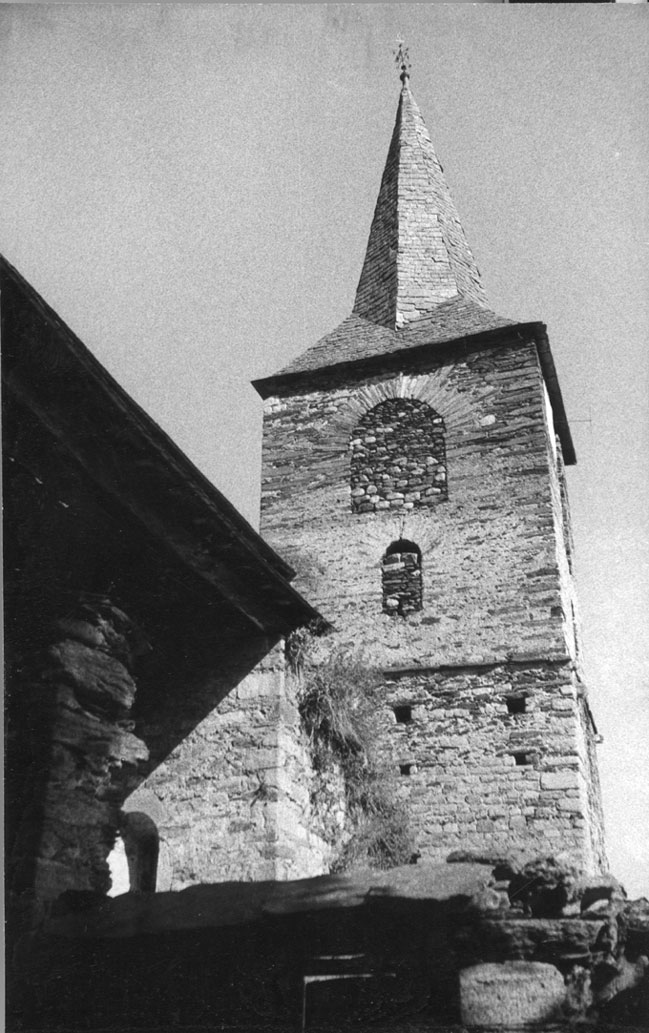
(402, 579)
(141, 844)
(398, 457)
(118, 866)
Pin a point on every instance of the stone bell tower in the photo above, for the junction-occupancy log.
(413, 474)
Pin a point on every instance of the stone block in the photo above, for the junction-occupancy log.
(98, 679)
(559, 780)
(514, 995)
(572, 804)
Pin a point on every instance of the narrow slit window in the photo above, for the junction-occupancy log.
(141, 842)
(401, 576)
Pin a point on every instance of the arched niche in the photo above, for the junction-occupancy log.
(398, 457)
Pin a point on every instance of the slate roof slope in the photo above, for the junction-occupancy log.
(417, 254)
(357, 339)
(420, 287)
(419, 283)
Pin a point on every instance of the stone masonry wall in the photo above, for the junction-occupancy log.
(232, 800)
(493, 560)
(491, 760)
(84, 755)
(491, 578)
(562, 531)
(589, 784)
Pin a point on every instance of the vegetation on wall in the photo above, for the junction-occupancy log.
(340, 707)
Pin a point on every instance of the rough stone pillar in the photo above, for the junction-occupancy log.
(83, 755)
(514, 995)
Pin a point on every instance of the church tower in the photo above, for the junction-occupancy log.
(413, 474)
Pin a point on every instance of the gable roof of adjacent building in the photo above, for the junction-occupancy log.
(52, 374)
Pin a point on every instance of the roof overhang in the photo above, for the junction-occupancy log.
(129, 458)
(440, 350)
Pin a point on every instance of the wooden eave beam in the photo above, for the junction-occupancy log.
(269, 608)
(131, 460)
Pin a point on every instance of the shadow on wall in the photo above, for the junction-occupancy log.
(186, 677)
(414, 948)
(63, 538)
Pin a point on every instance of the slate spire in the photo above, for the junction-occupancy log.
(417, 255)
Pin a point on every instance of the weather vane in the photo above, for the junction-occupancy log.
(402, 60)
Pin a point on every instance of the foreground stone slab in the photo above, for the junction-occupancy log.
(236, 903)
(513, 995)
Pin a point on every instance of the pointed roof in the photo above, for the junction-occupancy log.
(417, 254)
(420, 288)
(419, 282)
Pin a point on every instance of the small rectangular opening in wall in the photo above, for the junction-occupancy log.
(516, 704)
(522, 759)
(403, 714)
(406, 769)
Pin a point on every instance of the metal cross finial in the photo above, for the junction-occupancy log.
(402, 60)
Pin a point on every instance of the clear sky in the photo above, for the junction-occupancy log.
(191, 187)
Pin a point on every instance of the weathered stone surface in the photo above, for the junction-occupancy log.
(635, 917)
(99, 680)
(543, 886)
(81, 700)
(505, 936)
(232, 800)
(623, 999)
(560, 780)
(512, 995)
(100, 625)
(590, 889)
